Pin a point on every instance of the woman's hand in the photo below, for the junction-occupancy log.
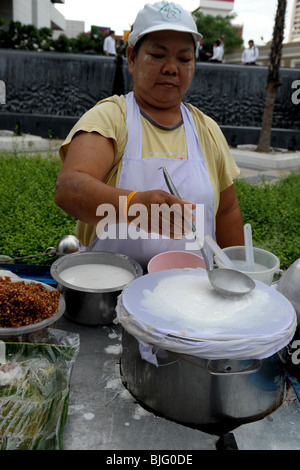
(157, 211)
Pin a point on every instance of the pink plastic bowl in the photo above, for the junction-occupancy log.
(175, 260)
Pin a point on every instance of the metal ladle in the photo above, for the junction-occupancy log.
(228, 282)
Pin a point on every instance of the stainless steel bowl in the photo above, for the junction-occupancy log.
(92, 306)
(36, 332)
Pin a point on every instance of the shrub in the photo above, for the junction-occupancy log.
(30, 38)
(30, 220)
(273, 210)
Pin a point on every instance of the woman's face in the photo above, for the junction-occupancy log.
(163, 68)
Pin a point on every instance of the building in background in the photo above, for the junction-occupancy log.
(295, 22)
(72, 29)
(216, 7)
(40, 13)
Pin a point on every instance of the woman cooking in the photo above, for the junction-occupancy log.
(112, 158)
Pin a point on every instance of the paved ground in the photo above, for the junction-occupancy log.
(27, 143)
(276, 164)
(253, 165)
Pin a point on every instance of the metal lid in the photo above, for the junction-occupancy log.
(289, 285)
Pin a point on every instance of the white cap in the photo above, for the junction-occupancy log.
(163, 16)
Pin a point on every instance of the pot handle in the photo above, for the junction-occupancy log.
(230, 367)
(280, 274)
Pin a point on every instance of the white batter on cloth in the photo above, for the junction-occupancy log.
(96, 276)
(191, 301)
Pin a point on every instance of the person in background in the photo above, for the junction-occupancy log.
(109, 46)
(220, 38)
(218, 51)
(121, 50)
(251, 54)
(201, 54)
(113, 156)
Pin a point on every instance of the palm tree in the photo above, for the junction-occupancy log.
(273, 82)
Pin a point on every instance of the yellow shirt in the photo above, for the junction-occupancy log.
(108, 118)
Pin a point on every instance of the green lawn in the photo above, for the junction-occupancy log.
(31, 222)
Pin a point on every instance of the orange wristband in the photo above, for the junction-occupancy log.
(129, 197)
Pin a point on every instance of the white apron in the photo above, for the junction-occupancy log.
(190, 177)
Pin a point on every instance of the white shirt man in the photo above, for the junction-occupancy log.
(218, 51)
(109, 46)
(250, 55)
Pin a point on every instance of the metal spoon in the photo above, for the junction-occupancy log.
(228, 282)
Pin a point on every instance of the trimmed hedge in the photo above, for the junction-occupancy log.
(30, 220)
(273, 210)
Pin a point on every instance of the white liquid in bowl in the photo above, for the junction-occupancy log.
(242, 266)
(96, 276)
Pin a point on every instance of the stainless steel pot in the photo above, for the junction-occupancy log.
(289, 286)
(199, 392)
(91, 306)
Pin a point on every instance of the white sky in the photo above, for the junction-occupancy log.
(256, 16)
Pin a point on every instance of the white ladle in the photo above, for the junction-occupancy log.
(249, 248)
(227, 282)
(219, 252)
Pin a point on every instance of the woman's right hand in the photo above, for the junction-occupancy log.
(157, 211)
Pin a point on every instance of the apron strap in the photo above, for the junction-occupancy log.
(134, 132)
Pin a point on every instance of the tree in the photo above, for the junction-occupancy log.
(61, 44)
(88, 43)
(30, 38)
(211, 27)
(264, 144)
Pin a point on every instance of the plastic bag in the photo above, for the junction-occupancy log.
(34, 391)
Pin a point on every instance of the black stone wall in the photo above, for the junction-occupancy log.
(48, 92)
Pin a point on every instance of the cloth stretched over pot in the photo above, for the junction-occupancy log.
(254, 326)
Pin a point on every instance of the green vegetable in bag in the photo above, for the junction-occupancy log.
(34, 392)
